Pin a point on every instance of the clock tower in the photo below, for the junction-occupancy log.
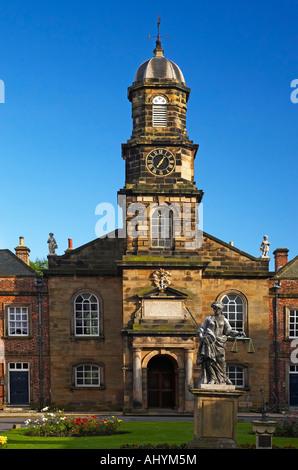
(161, 198)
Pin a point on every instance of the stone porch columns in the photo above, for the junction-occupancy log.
(137, 379)
(188, 379)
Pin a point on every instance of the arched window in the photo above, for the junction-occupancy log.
(162, 228)
(86, 315)
(234, 310)
(159, 111)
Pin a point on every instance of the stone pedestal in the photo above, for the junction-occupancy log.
(264, 431)
(215, 417)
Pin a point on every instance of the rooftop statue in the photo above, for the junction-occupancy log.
(52, 244)
(265, 247)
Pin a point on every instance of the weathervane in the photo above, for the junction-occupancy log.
(158, 35)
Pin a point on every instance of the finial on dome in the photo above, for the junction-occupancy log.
(158, 51)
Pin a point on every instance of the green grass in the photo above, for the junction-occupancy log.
(153, 432)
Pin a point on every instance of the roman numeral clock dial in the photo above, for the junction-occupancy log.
(160, 162)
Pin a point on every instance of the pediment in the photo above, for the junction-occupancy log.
(156, 293)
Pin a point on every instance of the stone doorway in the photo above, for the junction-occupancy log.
(161, 386)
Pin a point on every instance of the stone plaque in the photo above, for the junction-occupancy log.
(162, 309)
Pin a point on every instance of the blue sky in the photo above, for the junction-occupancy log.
(66, 66)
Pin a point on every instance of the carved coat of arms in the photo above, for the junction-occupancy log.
(162, 279)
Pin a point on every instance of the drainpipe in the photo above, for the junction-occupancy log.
(39, 284)
(276, 288)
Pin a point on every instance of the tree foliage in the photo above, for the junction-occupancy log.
(39, 265)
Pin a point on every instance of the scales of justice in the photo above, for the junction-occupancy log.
(216, 398)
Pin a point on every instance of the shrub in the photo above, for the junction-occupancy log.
(287, 427)
(57, 424)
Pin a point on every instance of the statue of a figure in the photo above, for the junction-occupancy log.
(213, 336)
(52, 244)
(265, 247)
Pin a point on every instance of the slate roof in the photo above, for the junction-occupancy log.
(11, 265)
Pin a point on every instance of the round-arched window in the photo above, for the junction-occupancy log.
(234, 310)
(162, 228)
(86, 315)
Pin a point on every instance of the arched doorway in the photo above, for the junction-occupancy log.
(161, 382)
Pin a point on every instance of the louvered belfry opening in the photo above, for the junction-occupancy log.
(159, 112)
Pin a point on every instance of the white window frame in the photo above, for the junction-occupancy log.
(87, 376)
(159, 112)
(86, 319)
(237, 373)
(161, 225)
(234, 311)
(292, 322)
(18, 366)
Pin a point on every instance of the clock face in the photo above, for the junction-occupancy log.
(160, 162)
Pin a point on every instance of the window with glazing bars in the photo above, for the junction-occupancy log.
(162, 228)
(18, 321)
(293, 323)
(233, 310)
(87, 376)
(86, 315)
(236, 375)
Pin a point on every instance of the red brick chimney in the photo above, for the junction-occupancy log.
(22, 251)
(70, 246)
(281, 257)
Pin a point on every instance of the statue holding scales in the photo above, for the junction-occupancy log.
(213, 335)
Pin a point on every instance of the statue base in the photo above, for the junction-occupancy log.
(215, 417)
(218, 387)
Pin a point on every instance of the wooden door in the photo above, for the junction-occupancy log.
(161, 383)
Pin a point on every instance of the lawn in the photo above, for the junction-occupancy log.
(153, 432)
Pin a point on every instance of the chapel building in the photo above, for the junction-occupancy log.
(124, 309)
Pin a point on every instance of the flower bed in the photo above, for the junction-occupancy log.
(57, 424)
(253, 446)
(150, 446)
(287, 427)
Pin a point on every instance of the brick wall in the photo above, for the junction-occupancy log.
(280, 344)
(23, 291)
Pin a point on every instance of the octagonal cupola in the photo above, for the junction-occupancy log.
(159, 68)
(159, 97)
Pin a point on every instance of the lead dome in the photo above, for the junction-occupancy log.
(158, 67)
